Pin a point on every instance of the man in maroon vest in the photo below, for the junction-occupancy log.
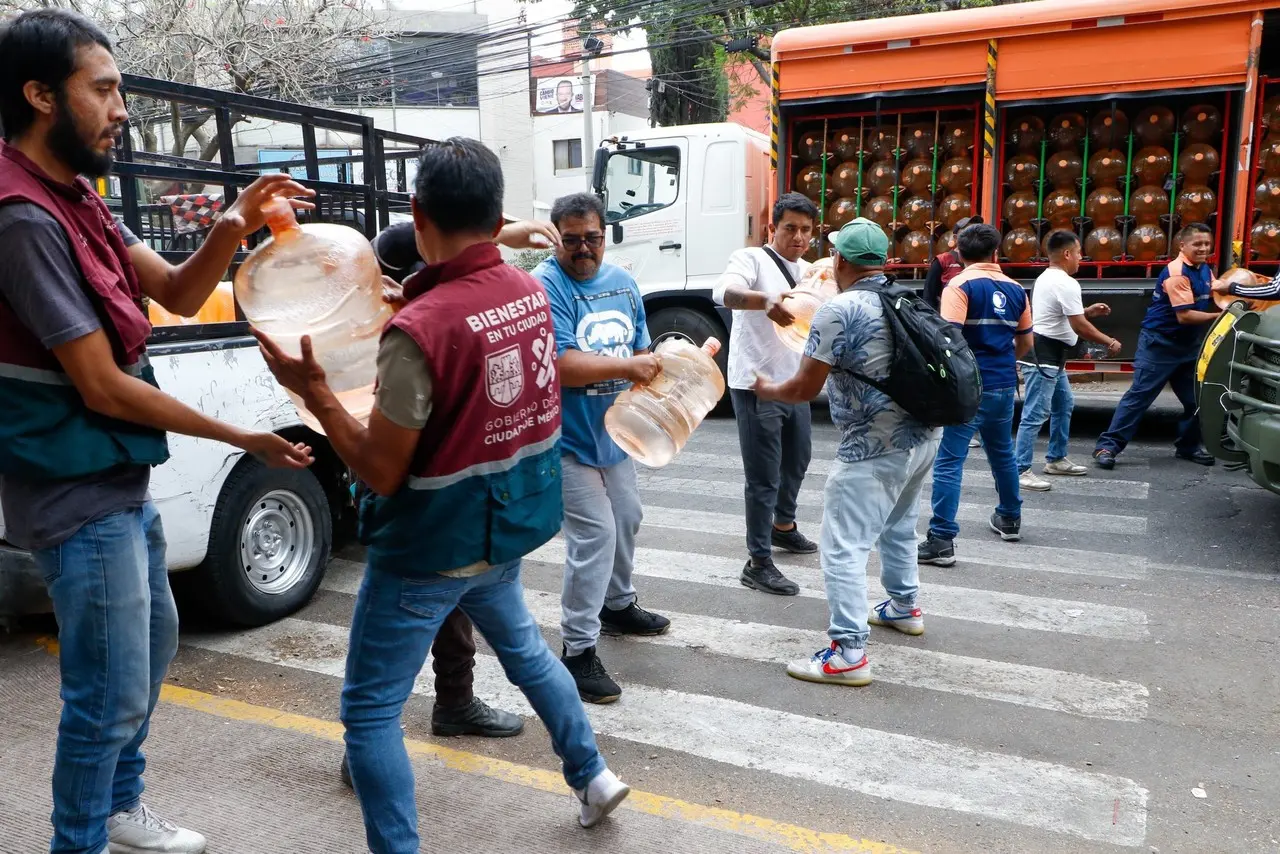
(84, 421)
(462, 454)
(945, 267)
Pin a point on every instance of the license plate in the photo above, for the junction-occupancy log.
(1214, 340)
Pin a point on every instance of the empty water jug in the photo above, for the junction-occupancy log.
(653, 422)
(323, 281)
(802, 304)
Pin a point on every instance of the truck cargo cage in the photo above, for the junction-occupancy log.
(1260, 243)
(189, 151)
(914, 170)
(1124, 174)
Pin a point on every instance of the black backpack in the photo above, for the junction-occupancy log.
(933, 374)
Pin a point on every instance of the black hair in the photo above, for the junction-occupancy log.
(459, 187)
(40, 45)
(978, 242)
(797, 202)
(1190, 231)
(578, 205)
(1061, 239)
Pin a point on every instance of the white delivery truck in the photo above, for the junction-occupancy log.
(679, 201)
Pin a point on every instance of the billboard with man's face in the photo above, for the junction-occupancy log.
(557, 95)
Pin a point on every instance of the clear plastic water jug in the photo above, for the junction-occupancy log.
(802, 304)
(652, 423)
(324, 281)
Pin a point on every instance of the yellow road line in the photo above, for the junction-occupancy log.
(789, 836)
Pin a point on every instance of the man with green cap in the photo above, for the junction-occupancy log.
(873, 490)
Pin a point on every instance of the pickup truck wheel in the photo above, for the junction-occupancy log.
(688, 324)
(269, 544)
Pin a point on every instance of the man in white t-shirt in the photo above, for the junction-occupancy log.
(774, 436)
(1060, 320)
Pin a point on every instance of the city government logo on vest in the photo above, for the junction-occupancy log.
(999, 302)
(609, 333)
(504, 371)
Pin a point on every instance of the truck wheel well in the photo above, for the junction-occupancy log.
(328, 469)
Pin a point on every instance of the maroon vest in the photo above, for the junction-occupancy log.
(485, 329)
(951, 266)
(99, 251)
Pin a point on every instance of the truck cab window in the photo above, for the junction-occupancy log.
(641, 181)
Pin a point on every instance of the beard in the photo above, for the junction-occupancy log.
(68, 145)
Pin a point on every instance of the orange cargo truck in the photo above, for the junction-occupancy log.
(1121, 120)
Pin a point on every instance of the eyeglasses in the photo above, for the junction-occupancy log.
(573, 242)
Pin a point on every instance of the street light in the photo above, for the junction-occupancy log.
(592, 45)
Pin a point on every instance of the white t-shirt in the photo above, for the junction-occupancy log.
(1055, 298)
(754, 346)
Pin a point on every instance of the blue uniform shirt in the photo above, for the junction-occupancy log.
(1180, 286)
(604, 316)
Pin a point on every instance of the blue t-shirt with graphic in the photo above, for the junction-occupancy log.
(604, 316)
(851, 335)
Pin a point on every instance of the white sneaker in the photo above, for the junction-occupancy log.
(140, 831)
(1064, 466)
(601, 797)
(975, 442)
(829, 665)
(887, 615)
(1034, 482)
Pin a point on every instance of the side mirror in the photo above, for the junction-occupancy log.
(598, 170)
(617, 232)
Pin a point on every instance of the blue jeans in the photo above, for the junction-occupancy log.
(994, 422)
(1155, 363)
(1048, 397)
(865, 503)
(395, 622)
(117, 633)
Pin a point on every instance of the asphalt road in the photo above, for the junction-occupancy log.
(1078, 691)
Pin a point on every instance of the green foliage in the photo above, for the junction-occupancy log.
(527, 259)
(694, 74)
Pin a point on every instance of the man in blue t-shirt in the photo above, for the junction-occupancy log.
(1181, 309)
(603, 346)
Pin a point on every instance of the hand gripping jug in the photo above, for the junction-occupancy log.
(652, 423)
(324, 281)
(802, 303)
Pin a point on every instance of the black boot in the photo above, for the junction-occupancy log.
(594, 684)
(475, 718)
(760, 574)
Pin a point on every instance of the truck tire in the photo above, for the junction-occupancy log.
(692, 325)
(269, 544)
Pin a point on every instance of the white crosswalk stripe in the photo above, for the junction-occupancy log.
(874, 762)
(699, 551)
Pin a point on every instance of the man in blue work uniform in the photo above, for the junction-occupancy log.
(1181, 308)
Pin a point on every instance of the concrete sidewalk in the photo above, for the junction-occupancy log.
(256, 780)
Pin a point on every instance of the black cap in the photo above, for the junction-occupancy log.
(966, 222)
(397, 251)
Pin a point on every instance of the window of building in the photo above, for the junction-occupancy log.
(430, 70)
(568, 154)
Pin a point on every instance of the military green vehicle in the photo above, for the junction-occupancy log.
(1238, 378)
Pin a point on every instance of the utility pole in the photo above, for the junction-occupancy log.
(591, 46)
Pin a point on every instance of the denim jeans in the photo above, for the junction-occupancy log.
(776, 444)
(1155, 363)
(117, 633)
(994, 422)
(396, 620)
(602, 516)
(1048, 397)
(865, 503)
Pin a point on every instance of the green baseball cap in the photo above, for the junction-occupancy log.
(861, 241)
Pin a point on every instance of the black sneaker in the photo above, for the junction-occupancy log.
(1104, 460)
(475, 718)
(761, 574)
(632, 620)
(936, 551)
(1010, 530)
(345, 772)
(793, 541)
(594, 684)
(1200, 457)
